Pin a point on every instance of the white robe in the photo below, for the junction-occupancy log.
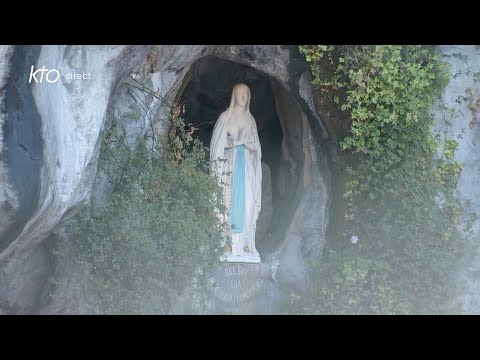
(243, 244)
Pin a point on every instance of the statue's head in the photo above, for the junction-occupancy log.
(241, 96)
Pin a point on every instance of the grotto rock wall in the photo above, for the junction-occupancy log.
(73, 113)
(461, 96)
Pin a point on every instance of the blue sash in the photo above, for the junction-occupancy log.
(237, 207)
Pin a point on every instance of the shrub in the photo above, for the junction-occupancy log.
(157, 228)
(399, 194)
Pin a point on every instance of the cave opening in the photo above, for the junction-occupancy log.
(206, 92)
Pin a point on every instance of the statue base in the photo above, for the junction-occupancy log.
(237, 288)
(244, 258)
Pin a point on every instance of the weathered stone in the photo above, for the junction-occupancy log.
(236, 287)
(30, 271)
(73, 113)
(461, 93)
(8, 197)
(265, 216)
(23, 139)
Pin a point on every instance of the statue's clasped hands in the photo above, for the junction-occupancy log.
(242, 138)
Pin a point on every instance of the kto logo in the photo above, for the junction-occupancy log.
(51, 76)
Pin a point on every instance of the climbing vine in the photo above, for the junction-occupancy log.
(400, 241)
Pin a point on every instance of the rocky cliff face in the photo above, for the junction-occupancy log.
(462, 98)
(53, 130)
(8, 197)
(72, 113)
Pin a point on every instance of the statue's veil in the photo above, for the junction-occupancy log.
(218, 142)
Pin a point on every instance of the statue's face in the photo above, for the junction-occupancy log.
(241, 96)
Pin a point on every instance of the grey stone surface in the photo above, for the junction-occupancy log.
(305, 235)
(8, 196)
(74, 112)
(22, 133)
(463, 89)
(30, 270)
(265, 215)
(235, 288)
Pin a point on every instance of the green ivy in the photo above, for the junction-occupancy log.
(399, 190)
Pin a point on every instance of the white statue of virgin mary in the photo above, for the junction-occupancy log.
(235, 141)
